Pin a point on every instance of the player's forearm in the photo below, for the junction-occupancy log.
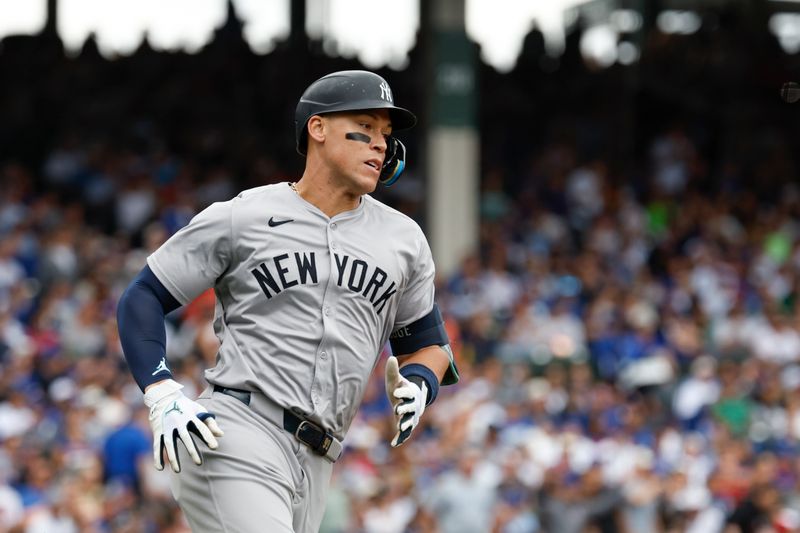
(140, 319)
(427, 365)
(423, 349)
(432, 357)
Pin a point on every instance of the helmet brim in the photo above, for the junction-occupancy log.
(402, 119)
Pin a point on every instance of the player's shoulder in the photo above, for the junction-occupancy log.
(391, 216)
(251, 204)
(262, 192)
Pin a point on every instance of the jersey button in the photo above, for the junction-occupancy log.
(323, 355)
(327, 310)
(334, 246)
(333, 225)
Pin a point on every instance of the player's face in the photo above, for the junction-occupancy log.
(356, 145)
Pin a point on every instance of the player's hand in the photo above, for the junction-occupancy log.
(408, 401)
(172, 417)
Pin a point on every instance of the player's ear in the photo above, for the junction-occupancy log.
(316, 128)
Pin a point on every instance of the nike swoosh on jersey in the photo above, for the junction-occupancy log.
(272, 222)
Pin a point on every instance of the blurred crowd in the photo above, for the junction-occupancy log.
(632, 363)
(628, 333)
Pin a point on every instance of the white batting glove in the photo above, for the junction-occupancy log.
(172, 417)
(408, 401)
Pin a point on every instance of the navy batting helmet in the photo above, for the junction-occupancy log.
(348, 90)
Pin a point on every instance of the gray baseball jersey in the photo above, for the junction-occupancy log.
(304, 302)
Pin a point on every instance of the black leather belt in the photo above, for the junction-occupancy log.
(308, 433)
(241, 395)
(315, 437)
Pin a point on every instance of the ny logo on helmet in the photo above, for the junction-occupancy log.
(386, 92)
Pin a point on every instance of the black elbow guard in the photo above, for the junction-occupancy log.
(427, 331)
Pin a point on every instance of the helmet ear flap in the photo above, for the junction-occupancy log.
(394, 163)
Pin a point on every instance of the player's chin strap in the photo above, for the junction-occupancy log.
(394, 163)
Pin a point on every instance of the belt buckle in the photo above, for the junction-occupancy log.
(321, 447)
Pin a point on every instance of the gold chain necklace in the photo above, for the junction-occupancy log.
(293, 185)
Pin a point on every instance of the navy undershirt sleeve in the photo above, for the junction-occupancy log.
(140, 319)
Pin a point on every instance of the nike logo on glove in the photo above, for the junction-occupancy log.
(272, 222)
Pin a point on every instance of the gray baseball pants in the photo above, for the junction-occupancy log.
(259, 479)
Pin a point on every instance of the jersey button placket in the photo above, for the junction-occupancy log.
(326, 308)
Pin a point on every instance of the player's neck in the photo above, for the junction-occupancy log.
(327, 198)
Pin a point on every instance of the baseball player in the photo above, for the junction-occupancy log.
(311, 279)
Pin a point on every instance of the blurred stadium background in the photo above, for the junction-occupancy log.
(610, 188)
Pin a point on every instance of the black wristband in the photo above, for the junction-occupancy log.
(418, 374)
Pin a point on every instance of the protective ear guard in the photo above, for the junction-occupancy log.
(394, 162)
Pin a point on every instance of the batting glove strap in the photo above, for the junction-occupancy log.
(175, 417)
(419, 374)
(156, 393)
